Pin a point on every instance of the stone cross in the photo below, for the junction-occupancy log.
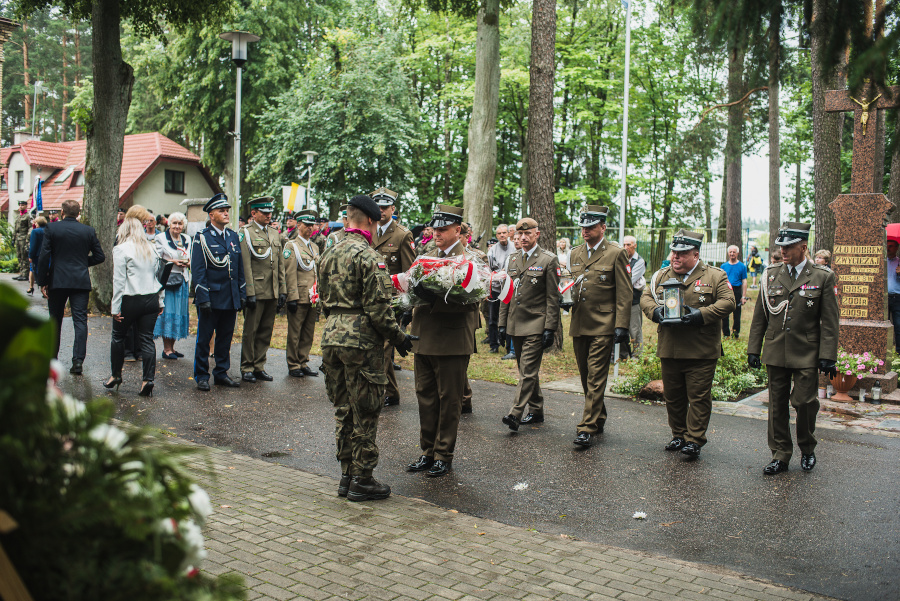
(864, 139)
(859, 237)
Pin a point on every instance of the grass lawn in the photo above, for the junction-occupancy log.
(557, 365)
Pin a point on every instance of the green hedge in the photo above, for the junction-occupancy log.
(9, 266)
(733, 375)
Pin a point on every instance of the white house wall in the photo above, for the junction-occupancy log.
(151, 193)
(17, 163)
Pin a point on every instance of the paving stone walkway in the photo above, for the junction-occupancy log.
(291, 537)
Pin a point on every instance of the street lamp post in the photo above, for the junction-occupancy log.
(310, 159)
(38, 86)
(239, 40)
(623, 186)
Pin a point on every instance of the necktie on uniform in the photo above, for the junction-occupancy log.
(442, 254)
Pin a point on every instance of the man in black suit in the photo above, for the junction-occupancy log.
(69, 249)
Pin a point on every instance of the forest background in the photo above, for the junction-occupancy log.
(384, 92)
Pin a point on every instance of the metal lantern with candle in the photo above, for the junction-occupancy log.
(673, 300)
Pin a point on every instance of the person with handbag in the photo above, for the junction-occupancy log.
(173, 323)
(137, 300)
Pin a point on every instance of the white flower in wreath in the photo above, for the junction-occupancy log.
(193, 540)
(65, 404)
(200, 503)
(111, 436)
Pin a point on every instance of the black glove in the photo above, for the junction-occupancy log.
(548, 338)
(503, 331)
(326, 312)
(622, 335)
(426, 295)
(282, 298)
(406, 319)
(292, 306)
(827, 366)
(693, 317)
(658, 314)
(251, 303)
(205, 308)
(406, 346)
(753, 361)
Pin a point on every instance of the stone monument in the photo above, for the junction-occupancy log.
(859, 257)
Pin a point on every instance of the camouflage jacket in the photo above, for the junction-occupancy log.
(355, 291)
(23, 227)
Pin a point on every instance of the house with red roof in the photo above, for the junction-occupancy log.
(156, 173)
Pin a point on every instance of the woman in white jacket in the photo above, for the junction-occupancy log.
(137, 300)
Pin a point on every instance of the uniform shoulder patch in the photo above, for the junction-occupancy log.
(287, 252)
(330, 242)
(241, 236)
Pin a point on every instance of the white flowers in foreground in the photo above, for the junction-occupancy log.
(200, 503)
(110, 435)
(639, 515)
(521, 486)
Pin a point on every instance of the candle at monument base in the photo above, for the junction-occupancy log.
(821, 392)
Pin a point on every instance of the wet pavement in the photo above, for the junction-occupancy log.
(833, 531)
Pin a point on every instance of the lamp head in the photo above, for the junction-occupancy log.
(239, 40)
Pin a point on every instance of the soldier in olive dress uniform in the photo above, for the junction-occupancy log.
(797, 314)
(320, 236)
(300, 258)
(266, 292)
(22, 235)
(395, 243)
(601, 314)
(531, 318)
(356, 296)
(689, 347)
(447, 340)
(290, 230)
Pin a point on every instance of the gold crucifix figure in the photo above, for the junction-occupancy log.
(864, 119)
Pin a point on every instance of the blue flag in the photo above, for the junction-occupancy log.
(38, 201)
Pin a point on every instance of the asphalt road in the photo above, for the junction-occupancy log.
(834, 531)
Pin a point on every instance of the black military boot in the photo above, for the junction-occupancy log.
(367, 488)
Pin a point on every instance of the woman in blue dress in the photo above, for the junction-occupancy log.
(173, 323)
(35, 242)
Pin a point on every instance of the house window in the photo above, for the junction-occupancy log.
(79, 178)
(175, 181)
(20, 181)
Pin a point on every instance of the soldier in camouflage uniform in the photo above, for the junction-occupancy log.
(355, 292)
(23, 231)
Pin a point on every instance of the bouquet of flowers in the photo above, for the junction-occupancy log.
(460, 280)
(852, 364)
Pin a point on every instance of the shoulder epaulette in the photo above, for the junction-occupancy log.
(716, 268)
(548, 253)
(822, 267)
(615, 244)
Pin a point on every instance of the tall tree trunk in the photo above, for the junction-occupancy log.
(540, 119)
(734, 145)
(65, 88)
(826, 130)
(798, 181)
(723, 206)
(113, 82)
(880, 130)
(774, 142)
(26, 75)
(707, 202)
(77, 73)
(478, 191)
(542, 73)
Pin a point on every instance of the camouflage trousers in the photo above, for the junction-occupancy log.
(22, 253)
(354, 380)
